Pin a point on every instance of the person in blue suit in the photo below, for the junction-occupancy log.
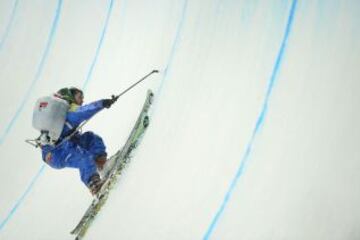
(84, 151)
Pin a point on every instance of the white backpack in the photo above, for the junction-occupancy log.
(49, 118)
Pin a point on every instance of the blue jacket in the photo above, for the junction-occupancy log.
(75, 116)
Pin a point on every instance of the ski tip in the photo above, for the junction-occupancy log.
(155, 71)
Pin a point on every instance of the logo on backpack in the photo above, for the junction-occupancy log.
(43, 105)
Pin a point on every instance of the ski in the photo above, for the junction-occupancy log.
(122, 158)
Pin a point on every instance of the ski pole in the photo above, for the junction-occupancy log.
(133, 85)
(114, 98)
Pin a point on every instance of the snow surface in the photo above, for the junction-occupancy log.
(229, 154)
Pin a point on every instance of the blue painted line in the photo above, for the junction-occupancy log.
(22, 198)
(10, 24)
(258, 125)
(41, 170)
(37, 75)
(174, 48)
(103, 33)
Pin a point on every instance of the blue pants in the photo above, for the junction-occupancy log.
(80, 152)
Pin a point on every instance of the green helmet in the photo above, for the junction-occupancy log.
(68, 94)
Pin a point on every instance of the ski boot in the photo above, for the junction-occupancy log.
(95, 184)
(100, 161)
(107, 167)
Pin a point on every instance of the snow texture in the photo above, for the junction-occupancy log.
(254, 129)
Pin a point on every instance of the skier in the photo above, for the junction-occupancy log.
(84, 151)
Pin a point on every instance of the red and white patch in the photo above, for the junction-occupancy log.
(43, 105)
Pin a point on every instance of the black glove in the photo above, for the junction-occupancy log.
(108, 102)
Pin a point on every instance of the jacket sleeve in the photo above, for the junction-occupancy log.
(84, 113)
